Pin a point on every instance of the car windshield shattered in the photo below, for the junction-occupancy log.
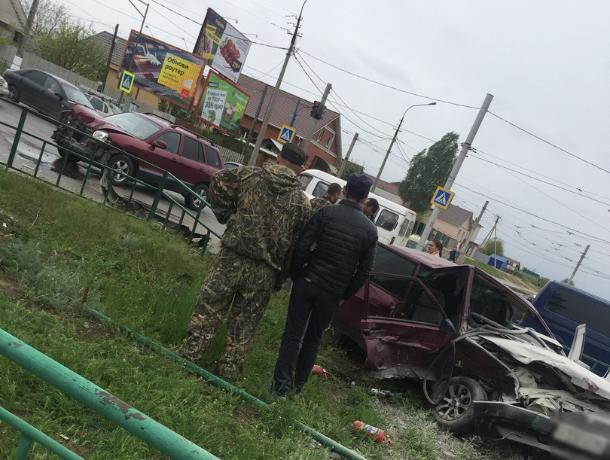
(135, 125)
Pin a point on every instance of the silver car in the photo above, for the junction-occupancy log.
(3, 87)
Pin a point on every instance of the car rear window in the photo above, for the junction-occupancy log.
(212, 157)
(134, 124)
(581, 309)
(76, 95)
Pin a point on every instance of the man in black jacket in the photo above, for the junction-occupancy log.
(332, 260)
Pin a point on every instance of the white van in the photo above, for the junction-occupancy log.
(394, 222)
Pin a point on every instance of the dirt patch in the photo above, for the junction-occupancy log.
(9, 286)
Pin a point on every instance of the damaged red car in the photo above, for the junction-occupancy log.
(473, 343)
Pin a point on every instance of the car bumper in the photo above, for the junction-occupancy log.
(514, 423)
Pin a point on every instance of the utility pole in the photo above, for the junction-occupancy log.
(491, 232)
(278, 83)
(320, 108)
(16, 64)
(295, 113)
(457, 165)
(387, 154)
(255, 121)
(464, 246)
(109, 61)
(582, 257)
(139, 37)
(347, 155)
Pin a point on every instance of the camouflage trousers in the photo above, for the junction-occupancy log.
(238, 284)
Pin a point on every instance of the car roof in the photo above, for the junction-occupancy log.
(167, 124)
(59, 79)
(422, 257)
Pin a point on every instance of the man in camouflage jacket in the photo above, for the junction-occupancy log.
(332, 196)
(264, 210)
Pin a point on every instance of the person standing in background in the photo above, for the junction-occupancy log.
(332, 196)
(434, 248)
(370, 208)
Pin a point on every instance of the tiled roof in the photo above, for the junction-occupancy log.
(456, 216)
(284, 107)
(105, 40)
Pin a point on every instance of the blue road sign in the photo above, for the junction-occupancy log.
(127, 80)
(442, 198)
(287, 134)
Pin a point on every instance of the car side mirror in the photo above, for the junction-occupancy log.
(160, 144)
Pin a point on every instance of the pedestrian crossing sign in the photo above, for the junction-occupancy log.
(442, 198)
(127, 80)
(286, 134)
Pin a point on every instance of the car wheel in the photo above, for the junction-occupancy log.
(455, 409)
(193, 202)
(13, 93)
(122, 167)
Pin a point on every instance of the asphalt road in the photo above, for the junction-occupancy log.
(29, 150)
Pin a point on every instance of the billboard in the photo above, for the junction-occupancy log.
(223, 47)
(163, 69)
(223, 104)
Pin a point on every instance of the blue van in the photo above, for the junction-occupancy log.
(564, 307)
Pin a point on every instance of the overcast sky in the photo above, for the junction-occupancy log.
(546, 63)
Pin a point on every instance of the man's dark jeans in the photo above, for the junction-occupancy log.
(309, 307)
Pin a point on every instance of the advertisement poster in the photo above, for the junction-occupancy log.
(223, 47)
(223, 104)
(163, 69)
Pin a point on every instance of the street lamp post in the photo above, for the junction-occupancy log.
(387, 154)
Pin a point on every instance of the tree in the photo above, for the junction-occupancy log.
(60, 40)
(428, 169)
(350, 168)
(494, 246)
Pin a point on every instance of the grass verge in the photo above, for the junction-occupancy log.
(54, 245)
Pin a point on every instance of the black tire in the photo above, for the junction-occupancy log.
(194, 203)
(124, 168)
(455, 410)
(13, 93)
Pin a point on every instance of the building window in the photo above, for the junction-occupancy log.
(325, 137)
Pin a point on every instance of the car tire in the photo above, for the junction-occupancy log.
(123, 168)
(194, 203)
(455, 409)
(13, 93)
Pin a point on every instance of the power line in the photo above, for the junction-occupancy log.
(529, 213)
(555, 146)
(582, 195)
(385, 85)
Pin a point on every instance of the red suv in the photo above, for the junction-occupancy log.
(160, 145)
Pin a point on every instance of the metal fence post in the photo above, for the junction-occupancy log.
(23, 448)
(18, 131)
(160, 188)
(100, 400)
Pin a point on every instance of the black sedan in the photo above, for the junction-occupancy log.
(44, 92)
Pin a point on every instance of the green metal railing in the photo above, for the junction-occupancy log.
(96, 398)
(29, 435)
(215, 380)
(109, 190)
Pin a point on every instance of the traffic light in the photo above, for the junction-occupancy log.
(317, 110)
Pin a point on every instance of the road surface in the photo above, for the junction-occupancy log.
(29, 150)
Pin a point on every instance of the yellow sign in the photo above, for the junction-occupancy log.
(179, 74)
(442, 198)
(127, 80)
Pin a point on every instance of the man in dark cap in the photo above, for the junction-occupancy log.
(332, 260)
(264, 210)
(331, 197)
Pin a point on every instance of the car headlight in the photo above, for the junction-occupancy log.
(100, 136)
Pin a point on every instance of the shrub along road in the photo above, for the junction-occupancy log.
(54, 245)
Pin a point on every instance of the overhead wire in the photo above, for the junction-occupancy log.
(385, 85)
(548, 142)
